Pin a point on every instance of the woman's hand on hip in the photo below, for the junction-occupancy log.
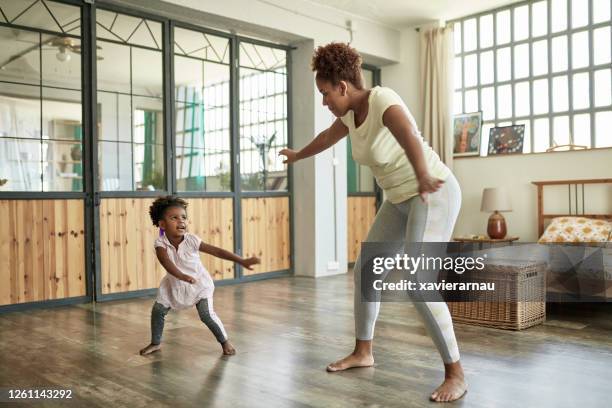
(291, 155)
(428, 184)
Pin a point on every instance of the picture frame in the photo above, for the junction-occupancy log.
(466, 134)
(506, 139)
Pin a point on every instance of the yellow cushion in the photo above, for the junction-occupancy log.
(577, 229)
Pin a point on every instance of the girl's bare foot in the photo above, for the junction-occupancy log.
(454, 385)
(360, 357)
(353, 360)
(151, 348)
(228, 349)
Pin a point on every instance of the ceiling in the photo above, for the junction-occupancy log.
(408, 13)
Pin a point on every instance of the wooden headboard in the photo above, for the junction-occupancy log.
(572, 189)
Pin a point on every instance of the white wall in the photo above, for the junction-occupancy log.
(515, 173)
(403, 77)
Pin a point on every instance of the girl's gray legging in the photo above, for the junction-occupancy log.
(207, 315)
(414, 221)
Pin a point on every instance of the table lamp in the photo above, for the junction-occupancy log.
(496, 200)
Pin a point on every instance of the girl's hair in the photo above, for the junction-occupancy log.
(337, 62)
(159, 207)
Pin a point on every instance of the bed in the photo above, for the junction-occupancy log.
(578, 241)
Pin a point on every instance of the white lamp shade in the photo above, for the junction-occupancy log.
(495, 199)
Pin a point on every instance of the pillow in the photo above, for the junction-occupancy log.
(577, 229)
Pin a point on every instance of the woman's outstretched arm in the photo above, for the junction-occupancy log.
(324, 140)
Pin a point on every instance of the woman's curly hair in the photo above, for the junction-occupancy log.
(337, 62)
(159, 207)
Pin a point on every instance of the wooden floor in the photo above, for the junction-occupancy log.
(286, 330)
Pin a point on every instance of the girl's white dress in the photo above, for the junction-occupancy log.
(178, 294)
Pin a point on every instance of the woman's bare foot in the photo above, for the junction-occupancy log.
(454, 385)
(228, 349)
(360, 357)
(351, 361)
(151, 348)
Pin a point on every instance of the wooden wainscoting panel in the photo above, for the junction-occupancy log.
(64, 248)
(42, 250)
(127, 255)
(265, 233)
(360, 216)
(212, 219)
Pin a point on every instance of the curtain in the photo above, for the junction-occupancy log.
(437, 89)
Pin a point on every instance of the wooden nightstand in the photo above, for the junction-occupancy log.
(486, 240)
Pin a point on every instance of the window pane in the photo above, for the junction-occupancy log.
(560, 94)
(486, 31)
(471, 70)
(521, 61)
(148, 164)
(601, 46)
(471, 101)
(114, 117)
(487, 103)
(603, 124)
(601, 11)
(559, 15)
(486, 67)
(503, 27)
(559, 53)
(45, 15)
(582, 130)
(469, 35)
(504, 101)
(503, 64)
(521, 101)
(20, 111)
(539, 19)
(580, 95)
(24, 69)
(540, 96)
(148, 120)
(603, 92)
(115, 166)
(113, 70)
(457, 37)
(62, 165)
(521, 23)
(147, 73)
(458, 73)
(526, 136)
(580, 49)
(61, 62)
(540, 57)
(263, 123)
(458, 103)
(580, 13)
(202, 119)
(21, 164)
(561, 130)
(541, 135)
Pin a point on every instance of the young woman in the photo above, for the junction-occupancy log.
(422, 195)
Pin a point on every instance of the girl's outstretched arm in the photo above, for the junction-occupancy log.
(230, 256)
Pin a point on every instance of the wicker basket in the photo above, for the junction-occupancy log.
(503, 308)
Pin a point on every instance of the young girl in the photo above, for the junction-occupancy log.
(187, 282)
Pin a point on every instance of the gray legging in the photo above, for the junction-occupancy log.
(207, 315)
(414, 221)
